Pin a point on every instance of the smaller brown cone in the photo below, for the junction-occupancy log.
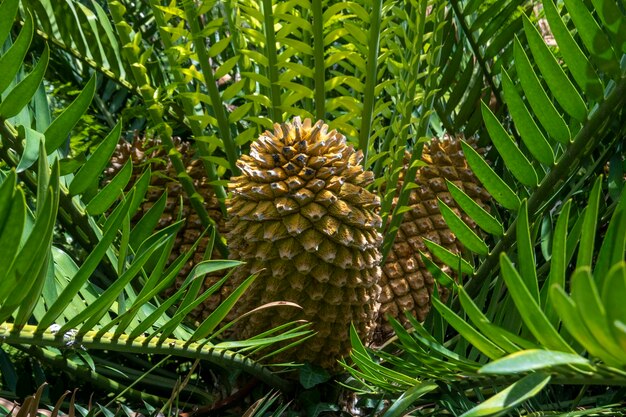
(148, 151)
(406, 283)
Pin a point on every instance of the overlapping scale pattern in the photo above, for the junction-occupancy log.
(301, 218)
(406, 283)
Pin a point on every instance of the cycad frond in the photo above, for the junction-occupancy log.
(48, 300)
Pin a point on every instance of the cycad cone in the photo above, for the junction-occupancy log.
(406, 283)
(301, 218)
(148, 151)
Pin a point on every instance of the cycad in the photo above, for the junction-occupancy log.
(386, 74)
(534, 175)
(106, 300)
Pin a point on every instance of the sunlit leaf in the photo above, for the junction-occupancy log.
(19, 96)
(510, 397)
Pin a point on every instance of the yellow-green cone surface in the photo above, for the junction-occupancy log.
(406, 284)
(301, 218)
(148, 151)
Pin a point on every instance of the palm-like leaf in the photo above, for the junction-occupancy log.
(541, 150)
(41, 283)
(388, 74)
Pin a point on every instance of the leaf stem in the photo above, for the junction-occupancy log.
(107, 384)
(211, 86)
(318, 52)
(272, 61)
(130, 51)
(188, 106)
(430, 89)
(31, 335)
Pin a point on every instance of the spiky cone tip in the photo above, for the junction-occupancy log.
(301, 218)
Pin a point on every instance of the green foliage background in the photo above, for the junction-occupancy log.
(538, 304)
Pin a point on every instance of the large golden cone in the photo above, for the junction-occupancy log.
(148, 151)
(406, 283)
(301, 218)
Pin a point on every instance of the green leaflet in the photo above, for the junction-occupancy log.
(438, 274)
(107, 196)
(109, 41)
(613, 297)
(560, 86)
(490, 180)
(13, 207)
(239, 114)
(41, 109)
(593, 312)
(454, 261)
(148, 222)
(464, 80)
(529, 309)
(525, 252)
(514, 159)
(589, 228)
(140, 189)
(21, 94)
(476, 338)
(227, 66)
(558, 261)
(613, 21)
(59, 129)
(11, 61)
(462, 231)
(506, 15)
(400, 405)
(32, 140)
(543, 108)
(510, 397)
(533, 360)
(525, 124)
(90, 172)
(594, 39)
(8, 10)
(577, 63)
(619, 332)
(614, 243)
(482, 218)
